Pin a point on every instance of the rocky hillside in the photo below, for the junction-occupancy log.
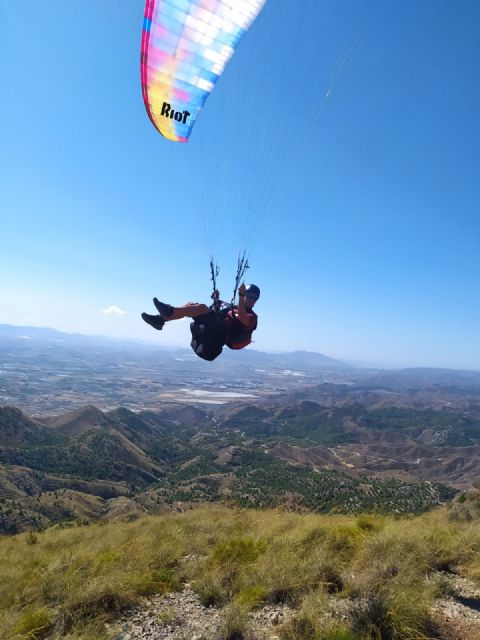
(88, 464)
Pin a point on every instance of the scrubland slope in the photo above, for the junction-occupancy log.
(69, 582)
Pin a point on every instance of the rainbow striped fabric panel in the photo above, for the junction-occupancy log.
(185, 47)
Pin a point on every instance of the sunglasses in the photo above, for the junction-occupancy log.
(251, 296)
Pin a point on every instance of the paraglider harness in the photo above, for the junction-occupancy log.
(218, 328)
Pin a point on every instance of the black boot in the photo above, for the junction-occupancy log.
(156, 322)
(165, 310)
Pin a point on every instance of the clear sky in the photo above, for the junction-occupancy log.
(361, 209)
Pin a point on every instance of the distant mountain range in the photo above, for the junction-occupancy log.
(28, 337)
(35, 336)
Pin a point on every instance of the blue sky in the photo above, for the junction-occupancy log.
(365, 204)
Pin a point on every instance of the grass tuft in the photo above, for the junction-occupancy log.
(392, 616)
(34, 624)
(234, 623)
(252, 596)
(210, 591)
(237, 551)
(160, 581)
(32, 538)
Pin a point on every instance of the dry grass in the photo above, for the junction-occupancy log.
(69, 582)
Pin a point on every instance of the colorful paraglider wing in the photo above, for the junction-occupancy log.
(185, 47)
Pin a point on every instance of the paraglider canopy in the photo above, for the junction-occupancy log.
(238, 172)
(185, 47)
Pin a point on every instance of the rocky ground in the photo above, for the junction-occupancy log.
(458, 615)
(181, 616)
